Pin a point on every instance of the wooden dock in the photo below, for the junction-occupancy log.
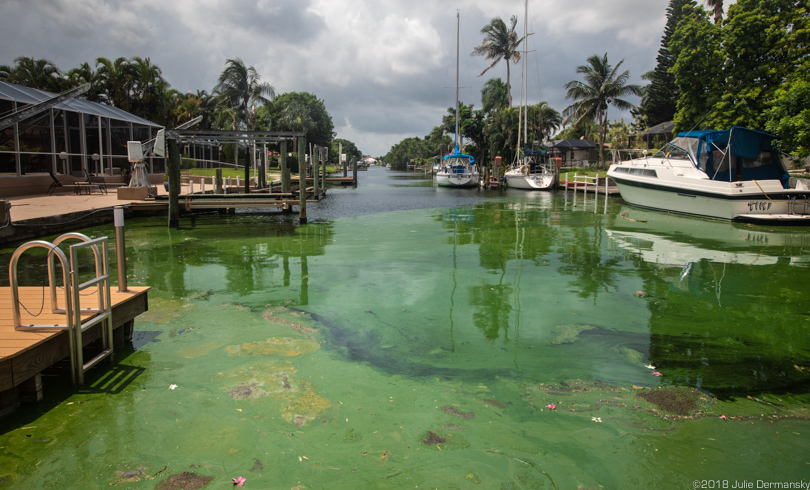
(24, 355)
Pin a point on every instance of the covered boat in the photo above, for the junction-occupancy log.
(457, 170)
(733, 174)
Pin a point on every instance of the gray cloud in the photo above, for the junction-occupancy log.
(385, 70)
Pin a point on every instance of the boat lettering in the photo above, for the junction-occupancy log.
(759, 206)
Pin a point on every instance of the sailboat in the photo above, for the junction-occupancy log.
(534, 171)
(457, 169)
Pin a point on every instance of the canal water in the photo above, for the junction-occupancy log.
(411, 336)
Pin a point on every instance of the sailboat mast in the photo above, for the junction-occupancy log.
(458, 24)
(525, 82)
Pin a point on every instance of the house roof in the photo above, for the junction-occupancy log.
(27, 95)
(572, 145)
(663, 128)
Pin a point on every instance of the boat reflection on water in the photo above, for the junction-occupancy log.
(712, 288)
(675, 240)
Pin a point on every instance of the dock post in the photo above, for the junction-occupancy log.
(342, 160)
(315, 158)
(247, 171)
(173, 172)
(218, 180)
(354, 171)
(302, 181)
(323, 170)
(120, 248)
(285, 171)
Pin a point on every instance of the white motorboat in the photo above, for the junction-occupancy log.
(732, 174)
(457, 169)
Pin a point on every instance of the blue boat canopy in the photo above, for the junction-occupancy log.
(528, 152)
(734, 155)
(458, 154)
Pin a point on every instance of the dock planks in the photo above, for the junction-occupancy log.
(24, 354)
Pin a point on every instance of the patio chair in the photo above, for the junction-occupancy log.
(97, 181)
(56, 183)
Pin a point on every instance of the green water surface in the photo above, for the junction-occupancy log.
(422, 349)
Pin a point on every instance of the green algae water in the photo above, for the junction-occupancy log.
(418, 337)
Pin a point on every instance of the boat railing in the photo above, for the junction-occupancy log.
(631, 154)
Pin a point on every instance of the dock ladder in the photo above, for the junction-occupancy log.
(72, 290)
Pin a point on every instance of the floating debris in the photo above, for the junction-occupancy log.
(280, 346)
(494, 402)
(186, 480)
(181, 331)
(679, 400)
(257, 466)
(246, 391)
(203, 295)
(432, 438)
(640, 294)
(131, 476)
(458, 413)
(567, 334)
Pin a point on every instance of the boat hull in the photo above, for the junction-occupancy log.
(722, 200)
(445, 179)
(530, 182)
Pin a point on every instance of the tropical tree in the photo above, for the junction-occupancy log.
(115, 79)
(348, 148)
(40, 74)
(494, 96)
(240, 87)
(302, 111)
(500, 134)
(500, 43)
(717, 8)
(603, 87)
(660, 99)
(541, 121)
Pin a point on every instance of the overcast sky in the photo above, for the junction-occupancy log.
(384, 68)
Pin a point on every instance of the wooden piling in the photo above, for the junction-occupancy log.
(302, 181)
(285, 170)
(173, 173)
(218, 186)
(315, 158)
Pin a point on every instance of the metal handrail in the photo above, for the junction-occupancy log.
(15, 296)
(72, 289)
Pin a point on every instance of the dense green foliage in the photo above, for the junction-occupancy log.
(751, 70)
(661, 95)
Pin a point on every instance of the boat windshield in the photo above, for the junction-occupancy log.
(680, 149)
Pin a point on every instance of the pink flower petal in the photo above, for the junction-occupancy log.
(551, 406)
(724, 417)
(656, 373)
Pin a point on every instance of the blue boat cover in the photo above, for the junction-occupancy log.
(458, 154)
(528, 152)
(750, 155)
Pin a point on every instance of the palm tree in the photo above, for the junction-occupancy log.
(604, 86)
(494, 96)
(241, 87)
(500, 43)
(35, 73)
(542, 121)
(717, 7)
(116, 81)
